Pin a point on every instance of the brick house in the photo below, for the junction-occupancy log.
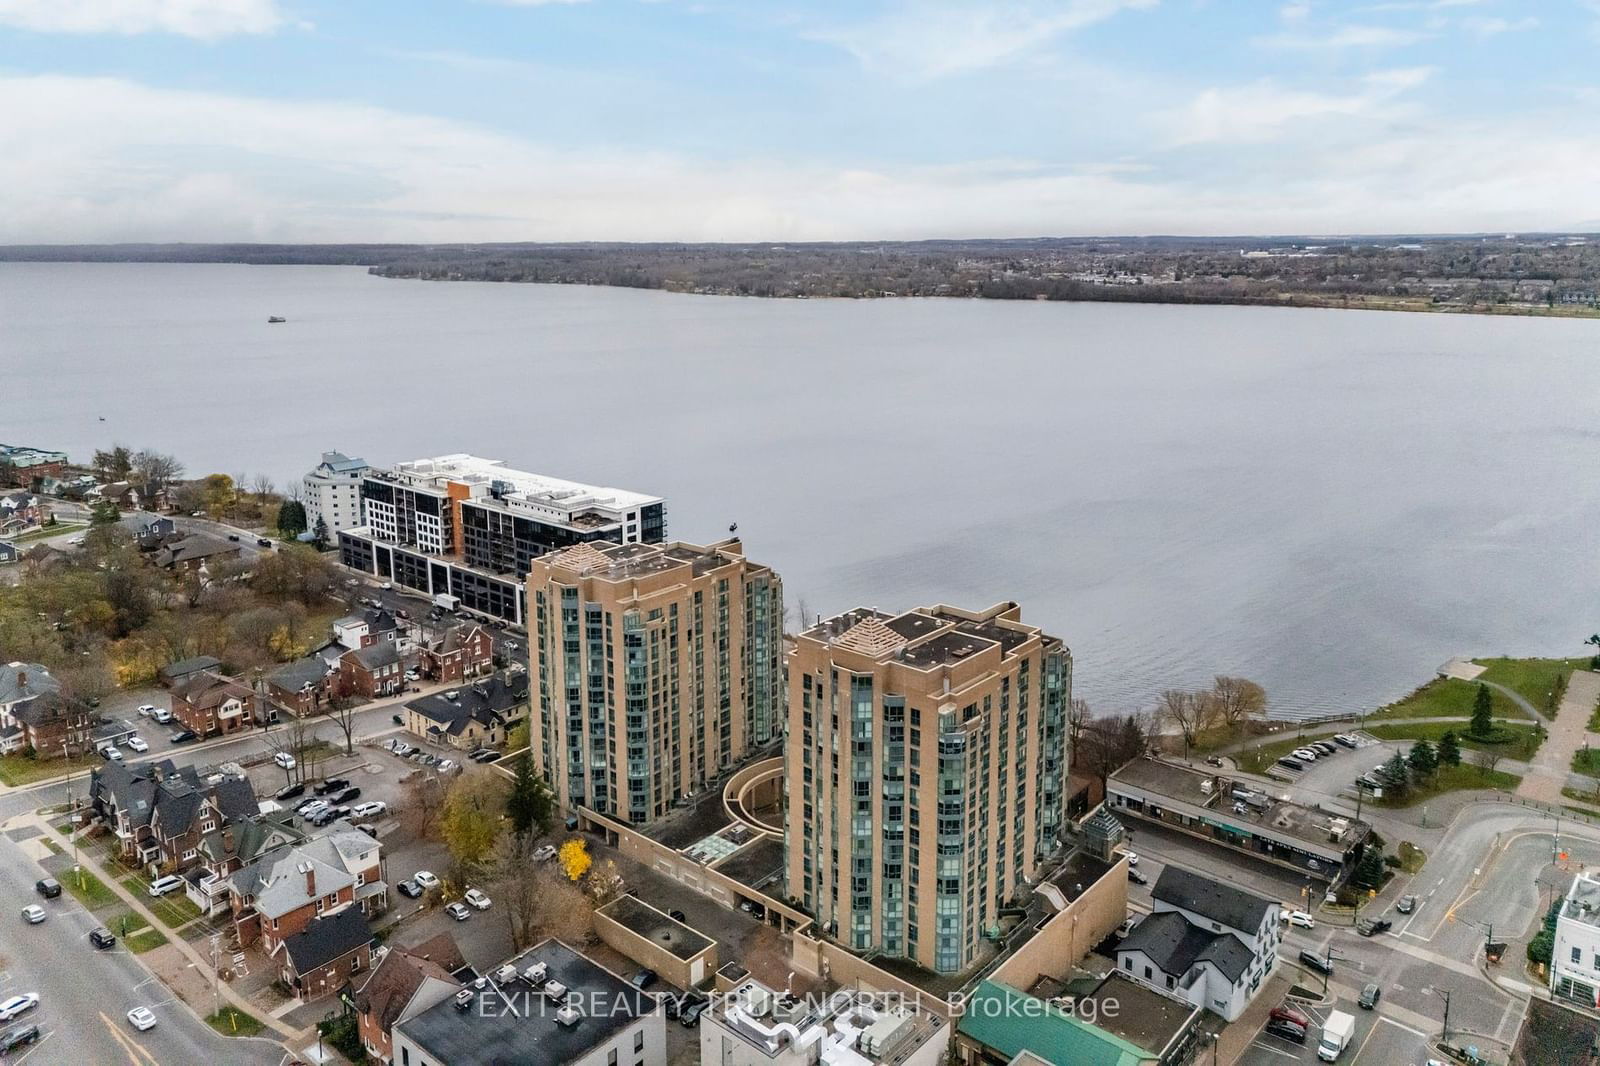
(19, 511)
(35, 715)
(24, 465)
(478, 714)
(192, 552)
(459, 653)
(161, 814)
(283, 890)
(231, 847)
(373, 671)
(326, 955)
(373, 626)
(213, 705)
(302, 687)
(406, 982)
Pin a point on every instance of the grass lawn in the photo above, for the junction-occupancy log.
(1449, 697)
(144, 940)
(55, 849)
(1453, 779)
(230, 1021)
(1512, 741)
(88, 889)
(174, 909)
(1586, 761)
(20, 770)
(1411, 857)
(1533, 679)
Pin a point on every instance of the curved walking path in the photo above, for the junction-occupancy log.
(1552, 764)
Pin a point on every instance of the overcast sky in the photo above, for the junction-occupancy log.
(472, 120)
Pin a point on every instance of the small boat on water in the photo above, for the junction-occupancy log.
(275, 318)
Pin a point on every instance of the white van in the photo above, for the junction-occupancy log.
(162, 885)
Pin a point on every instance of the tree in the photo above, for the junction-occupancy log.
(342, 713)
(424, 799)
(262, 486)
(113, 465)
(292, 518)
(319, 535)
(154, 471)
(529, 803)
(575, 858)
(1486, 759)
(1422, 759)
(517, 893)
(1449, 752)
(1190, 712)
(1395, 775)
(103, 513)
(1078, 718)
(605, 883)
(217, 494)
(1110, 741)
(1237, 699)
(1482, 713)
(1369, 869)
(471, 819)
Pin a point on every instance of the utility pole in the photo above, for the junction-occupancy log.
(72, 817)
(216, 977)
(1445, 992)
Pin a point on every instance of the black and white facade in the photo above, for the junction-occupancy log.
(470, 527)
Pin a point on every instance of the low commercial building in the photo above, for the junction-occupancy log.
(682, 956)
(24, 465)
(1233, 814)
(753, 1025)
(1575, 960)
(559, 1009)
(1205, 942)
(1001, 1025)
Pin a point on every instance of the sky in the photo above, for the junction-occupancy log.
(704, 120)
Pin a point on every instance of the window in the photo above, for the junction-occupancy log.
(611, 1057)
(1577, 955)
(191, 854)
(638, 1040)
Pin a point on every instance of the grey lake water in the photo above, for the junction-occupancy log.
(1330, 502)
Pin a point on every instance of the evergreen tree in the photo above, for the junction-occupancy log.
(529, 802)
(1449, 752)
(319, 534)
(1395, 775)
(1423, 760)
(103, 513)
(1482, 713)
(292, 518)
(1369, 871)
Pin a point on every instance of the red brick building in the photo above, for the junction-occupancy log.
(407, 982)
(213, 705)
(462, 652)
(326, 955)
(285, 889)
(373, 671)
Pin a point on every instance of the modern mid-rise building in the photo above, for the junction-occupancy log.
(333, 492)
(658, 667)
(1575, 959)
(471, 527)
(926, 768)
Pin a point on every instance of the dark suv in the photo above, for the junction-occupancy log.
(102, 938)
(12, 1039)
(1316, 962)
(48, 887)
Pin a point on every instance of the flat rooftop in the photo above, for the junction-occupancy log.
(757, 865)
(1583, 901)
(514, 1023)
(1078, 873)
(926, 637)
(1137, 1014)
(841, 1026)
(1213, 791)
(535, 488)
(641, 919)
(683, 826)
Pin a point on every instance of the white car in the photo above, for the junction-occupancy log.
(1133, 860)
(446, 766)
(284, 759)
(1300, 919)
(544, 853)
(162, 715)
(136, 743)
(478, 900)
(111, 753)
(33, 914)
(1305, 755)
(425, 879)
(370, 809)
(17, 1005)
(458, 912)
(146, 710)
(162, 885)
(142, 1019)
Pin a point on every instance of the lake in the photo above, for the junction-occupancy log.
(1330, 502)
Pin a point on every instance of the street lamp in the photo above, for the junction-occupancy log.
(1445, 992)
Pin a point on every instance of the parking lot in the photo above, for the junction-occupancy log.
(1378, 1041)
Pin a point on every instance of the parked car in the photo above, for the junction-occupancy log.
(1286, 1013)
(369, 809)
(1346, 740)
(163, 885)
(263, 542)
(1213, 760)
(146, 710)
(409, 888)
(1299, 919)
(332, 784)
(425, 879)
(544, 853)
(1291, 764)
(289, 792)
(397, 720)
(1370, 996)
(446, 766)
(643, 979)
(1286, 1031)
(162, 715)
(493, 756)
(33, 914)
(1316, 962)
(16, 1006)
(17, 1037)
(101, 938)
(689, 1015)
(1304, 754)
(110, 753)
(184, 736)
(48, 887)
(1406, 904)
(478, 900)
(284, 759)
(143, 1018)
(368, 828)
(458, 911)
(136, 743)
(347, 795)
(1127, 926)
(1133, 860)
(1136, 877)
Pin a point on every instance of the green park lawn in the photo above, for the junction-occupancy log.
(88, 889)
(1448, 697)
(20, 770)
(1453, 779)
(1533, 679)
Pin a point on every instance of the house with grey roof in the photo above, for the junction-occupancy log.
(373, 671)
(161, 813)
(278, 894)
(1205, 942)
(474, 715)
(304, 686)
(324, 956)
(35, 715)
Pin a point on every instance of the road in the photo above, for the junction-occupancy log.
(85, 994)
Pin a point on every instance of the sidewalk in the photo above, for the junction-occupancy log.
(200, 964)
(1547, 774)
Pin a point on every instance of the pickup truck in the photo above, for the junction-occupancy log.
(1337, 1032)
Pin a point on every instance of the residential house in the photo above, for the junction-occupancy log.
(8, 552)
(373, 671)
(302, 687)
(459, 653)
(121, 493)
(20, 511)
(175, 673)
(35, 715)
(373, 626)
(234, 845)
(406, 982)
(213, 705)
(193, 552)
(278, 894)
(476, 715)
(1204, 942)
(161, 813)
(326, 955)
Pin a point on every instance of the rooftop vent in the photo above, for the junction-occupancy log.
(464, 998)
(568, 1016)
(555, 991)
(535, 974)
(505, 974)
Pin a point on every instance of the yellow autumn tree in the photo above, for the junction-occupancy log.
(575, 859)
(283, 644)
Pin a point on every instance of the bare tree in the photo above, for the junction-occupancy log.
(297, 741)
(155, 471)
(518, 893)
(1110, 741)
(1485, 759)
(1078, 718)
(262, 486)
(1190, 712)
(423, 803)
(564, 911)
(1237, 699)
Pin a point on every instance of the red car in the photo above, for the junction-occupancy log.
(1289, 1014)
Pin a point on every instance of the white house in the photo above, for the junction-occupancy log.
(1204, 942)
(333, 492)
(1575, 960)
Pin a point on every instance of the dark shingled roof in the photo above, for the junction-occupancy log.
(1175, 944)
(327, 938)
(383, 653)
(396, 979)
(1223, 903)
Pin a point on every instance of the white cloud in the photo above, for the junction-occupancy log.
(925, 41)
(189, 18)
(1351, 36)
(1295, 12)
(91, 159)
(1264, 110)
(1493, 26)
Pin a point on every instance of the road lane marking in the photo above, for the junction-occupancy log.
(137, 1055)
(37, 1044)
(1401, 1025)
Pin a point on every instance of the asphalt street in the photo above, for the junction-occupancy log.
(85, 994)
